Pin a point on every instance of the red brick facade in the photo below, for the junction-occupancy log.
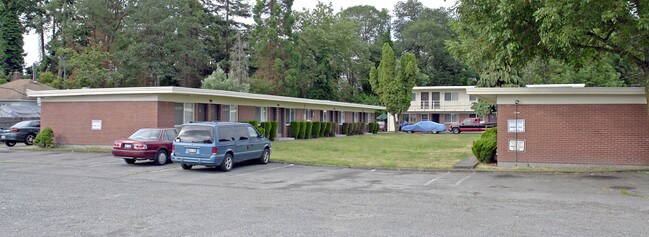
(614, 134)
(118, 120)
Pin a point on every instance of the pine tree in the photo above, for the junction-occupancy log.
(239, 62)
(11, 38)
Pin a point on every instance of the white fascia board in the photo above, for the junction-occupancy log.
(545, 95)
(432, 88)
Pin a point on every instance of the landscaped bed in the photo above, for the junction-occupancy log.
(383, 150)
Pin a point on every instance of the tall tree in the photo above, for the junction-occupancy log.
(239, 62)
(512, 32)
(227, 20)
(11, 37)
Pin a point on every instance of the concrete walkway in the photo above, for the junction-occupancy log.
(468, 163)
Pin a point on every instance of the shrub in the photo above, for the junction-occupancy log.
(326, 129)
(309, 130)
(45, 138)
(295, 129)
(323, 126)
(376, 128)
(316, 129)
(251, 122)
(273, 130)
(302, 130)
(484, 148)
(363, 128)
(261, 131)
(334, 129)
(346, 129)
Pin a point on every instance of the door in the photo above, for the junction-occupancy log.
(435, 118)
(241, 152)
(256, 143)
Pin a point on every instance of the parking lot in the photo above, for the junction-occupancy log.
(82, 194)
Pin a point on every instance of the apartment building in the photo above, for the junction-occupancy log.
(442, 104)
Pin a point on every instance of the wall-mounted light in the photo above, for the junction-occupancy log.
(516, 102)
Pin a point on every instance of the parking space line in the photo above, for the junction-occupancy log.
(163, 170)
(435, 179)
(264, 170)
(462, 180)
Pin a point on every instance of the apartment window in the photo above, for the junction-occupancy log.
(262, 114)
(414, 96)
(290, 116)
(324, 116)
(450, 96)
(356, 117)
(188, 112)
(230, 113)
(451, 118)
(367, 118)
(473, 98)
(481, 117)
(342, 117)
(424, 117)
(308, 115)
(410, 118)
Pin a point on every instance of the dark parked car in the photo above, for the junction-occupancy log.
(424, 126)
(219, 144)
(24, 131)
(146, 144)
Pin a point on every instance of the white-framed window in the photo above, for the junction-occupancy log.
(481, 117)
(414, 97)
(473, 98)
(262, 114)
(290, 116)
(324, 116)
(356, 117)
(424, 117)
(451, 118)
(450, 96)
(230, 113)
(342, 117)
(367, 118)
(308, 115)
(188, 112)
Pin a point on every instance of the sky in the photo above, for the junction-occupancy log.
(31, 40)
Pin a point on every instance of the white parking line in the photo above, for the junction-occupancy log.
(264, 170)
(435, 179)
(462, 180)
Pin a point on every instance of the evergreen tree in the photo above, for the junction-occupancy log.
(239, 62)
(11, 37)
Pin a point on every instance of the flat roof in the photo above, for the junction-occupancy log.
(189, 91)
(554, 94)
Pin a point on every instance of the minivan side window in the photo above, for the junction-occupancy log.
(241, 132)
(196, 134)
(225, 134)
(252, 132)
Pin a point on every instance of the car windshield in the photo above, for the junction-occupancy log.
(145, 135)
(22, 124)
(196, 134)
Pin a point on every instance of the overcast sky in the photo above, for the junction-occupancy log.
(31, 40)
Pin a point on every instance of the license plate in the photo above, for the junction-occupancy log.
(127, 146)
(191, 150)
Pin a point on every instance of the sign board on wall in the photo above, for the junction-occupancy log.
(96, 124)
(517, 145)
(516, 125)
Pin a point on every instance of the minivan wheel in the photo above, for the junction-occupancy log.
(160, 158)
(226, 165)
(29, 139)
(129, 161)
(456, 130)
(186, 166)
(10, 144)
(265, 157)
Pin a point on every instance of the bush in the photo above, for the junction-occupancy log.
(302, 130)
(251, 122)
(45, 138)
(295, 129)
(326, 129)
(316, 129)
(323, 126)
(376, 128)
(273, 130)
(309, 130)
(484, 148)
(334, 129)
(346, 129)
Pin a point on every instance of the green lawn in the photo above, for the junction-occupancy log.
(386, 150)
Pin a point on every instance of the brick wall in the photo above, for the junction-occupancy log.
(246, 112)
(577, 134)
(71, 121)
(166, 114)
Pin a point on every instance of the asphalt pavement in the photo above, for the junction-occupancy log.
(82, 194)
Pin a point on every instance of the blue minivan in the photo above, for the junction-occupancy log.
(219, 144)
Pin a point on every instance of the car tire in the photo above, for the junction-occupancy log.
(227, 163)
(456, 130)
(10, 144)
(161, 158)
(129, 161)
(186, 166)
(265, 157)
(29, 139)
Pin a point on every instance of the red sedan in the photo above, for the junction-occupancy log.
(146, 144)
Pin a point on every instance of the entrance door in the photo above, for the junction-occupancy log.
(435, 118)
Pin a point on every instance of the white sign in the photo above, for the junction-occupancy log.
(516, 125)
(517, 145)
(96, 124)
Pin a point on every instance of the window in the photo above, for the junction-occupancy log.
(170, 135)
(183, 113)
(225, 134)
(241, 132)
(473, 98)
(252, 132)
(229, 113)
(324, 116)
(481, 117)
(308, 115)
(367, 118)
(196, 134)
(414, 96)
(188, 112)
(356, 117)
(410, 118)
(424, 117)
(451, 118)
(290, 116)
(262, 114)
(450, 96)
(233, 113)
(342, 117)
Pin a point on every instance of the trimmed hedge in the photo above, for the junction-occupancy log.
(273, 130)
(346, 129)
(323, 126)
(484, 148)
(372, 128)
(303, 130)
(309, 130)
(316, 129)
(295, 129)
(334, 129)
(251, 122)
(45, 138)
